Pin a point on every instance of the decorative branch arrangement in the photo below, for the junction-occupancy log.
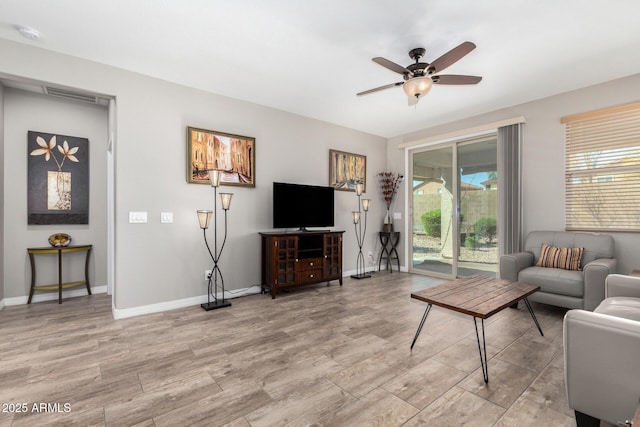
(389, 184)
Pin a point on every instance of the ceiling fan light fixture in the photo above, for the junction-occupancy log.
(420, 76)
(417, 86)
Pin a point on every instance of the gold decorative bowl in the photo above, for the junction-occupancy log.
(59, 240)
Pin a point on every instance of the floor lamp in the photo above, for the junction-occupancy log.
(360, 231)
(204, 218)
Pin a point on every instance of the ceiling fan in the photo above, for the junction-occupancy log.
(419, 76)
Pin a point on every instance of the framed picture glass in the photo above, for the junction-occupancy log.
(233, 155)
(58, 179)
(346, 170)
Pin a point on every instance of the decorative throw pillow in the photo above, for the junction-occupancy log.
(565, 258)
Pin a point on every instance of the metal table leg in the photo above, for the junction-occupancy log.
(533, 316)
(424, 317)
(482, 349)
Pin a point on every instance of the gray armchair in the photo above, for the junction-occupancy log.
(602, 355)
(582, 289)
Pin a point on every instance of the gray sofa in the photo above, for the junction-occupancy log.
(582, 289)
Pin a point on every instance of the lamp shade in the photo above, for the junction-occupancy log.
(356, 217)
(365, 204)
(418, 86)
(214, 177)
(225, 198)
(359, 188)
(204, 218)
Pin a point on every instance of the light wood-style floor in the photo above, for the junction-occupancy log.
(320, 355)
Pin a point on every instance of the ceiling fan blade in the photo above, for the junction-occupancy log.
(380, 88)
(391, 65)
(450, 57)
(454, 79)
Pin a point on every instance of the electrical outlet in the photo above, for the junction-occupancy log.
(370, 254)
(207, 274)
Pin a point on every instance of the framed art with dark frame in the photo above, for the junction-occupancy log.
(57, 179)
(233, 155)
(346, 170)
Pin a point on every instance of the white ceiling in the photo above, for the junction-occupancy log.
(312, 57)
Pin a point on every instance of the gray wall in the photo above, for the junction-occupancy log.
(162, 262)
(543, 154)
(154, 262)
(25, 111)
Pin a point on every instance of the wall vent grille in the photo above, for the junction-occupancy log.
(69, 94)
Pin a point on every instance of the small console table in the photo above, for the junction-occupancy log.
(389, 240)
(58, 286)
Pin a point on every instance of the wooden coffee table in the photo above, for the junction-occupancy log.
(480, 297)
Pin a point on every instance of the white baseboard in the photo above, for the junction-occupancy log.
(181, 303)
(51, 296)
(1, 304)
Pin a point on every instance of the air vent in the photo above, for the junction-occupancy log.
(69, 94)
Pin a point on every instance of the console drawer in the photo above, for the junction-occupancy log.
(309, 264)
(309, 275)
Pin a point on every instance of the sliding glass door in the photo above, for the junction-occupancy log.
(454, 208)
(478, 207)
(432, 211)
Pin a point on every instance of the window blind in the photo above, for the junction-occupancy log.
(603, 170)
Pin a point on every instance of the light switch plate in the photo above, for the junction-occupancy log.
(137, 217)
(397, 215)
(166, 217)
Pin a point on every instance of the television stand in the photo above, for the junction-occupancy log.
(300, 258)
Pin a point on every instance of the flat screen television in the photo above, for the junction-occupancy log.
(302, 206)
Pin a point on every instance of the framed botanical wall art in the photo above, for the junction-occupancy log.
(346, 170)
(233, 155)
(58, 179)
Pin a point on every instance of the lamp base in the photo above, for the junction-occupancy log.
(214, 305)
(361, 276)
